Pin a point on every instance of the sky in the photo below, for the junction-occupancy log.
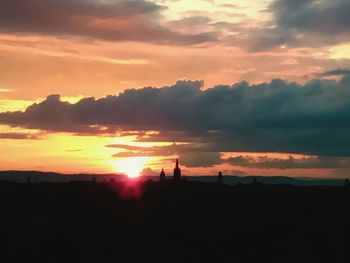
(254, 87)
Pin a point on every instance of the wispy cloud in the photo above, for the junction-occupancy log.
(5, 90)
(20, 136)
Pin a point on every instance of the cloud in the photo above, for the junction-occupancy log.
(233, 6)
(335, 72)
(323, 17)
(126, 147)
(191, 21)
(302, 23)
(265, 162)
(200, 159)
(203, 24)
(123, 20)
(192, 155)
(269, 117)
(19, 136)
(5, 90)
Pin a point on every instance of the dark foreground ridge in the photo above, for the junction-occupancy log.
(37, 176)
(173, 222)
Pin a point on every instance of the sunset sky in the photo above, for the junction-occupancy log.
(254, 87)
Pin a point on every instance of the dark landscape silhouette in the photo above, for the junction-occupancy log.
(173, 220)
(40, 177)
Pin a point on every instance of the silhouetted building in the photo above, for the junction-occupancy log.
(162, 176)
(347, 183)
(177, 171)
(220, 178)
(255, 182)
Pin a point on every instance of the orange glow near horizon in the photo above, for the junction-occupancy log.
(65, 153)
(132, 166)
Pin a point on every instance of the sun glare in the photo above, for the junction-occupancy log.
(131, 166)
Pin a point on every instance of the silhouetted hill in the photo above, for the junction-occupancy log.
(36, 176)
(280, 180)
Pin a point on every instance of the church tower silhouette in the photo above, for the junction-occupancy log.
(177, 171)
(162, 176)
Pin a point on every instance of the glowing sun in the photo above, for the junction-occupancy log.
(131, 166)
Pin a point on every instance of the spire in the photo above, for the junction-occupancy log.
(177, 171)
(162, 176)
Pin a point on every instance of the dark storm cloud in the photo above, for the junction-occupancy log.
(335, 72)
(265, 162)
(123, 20)
(303, 23)
(270, 117)
(324, 17)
